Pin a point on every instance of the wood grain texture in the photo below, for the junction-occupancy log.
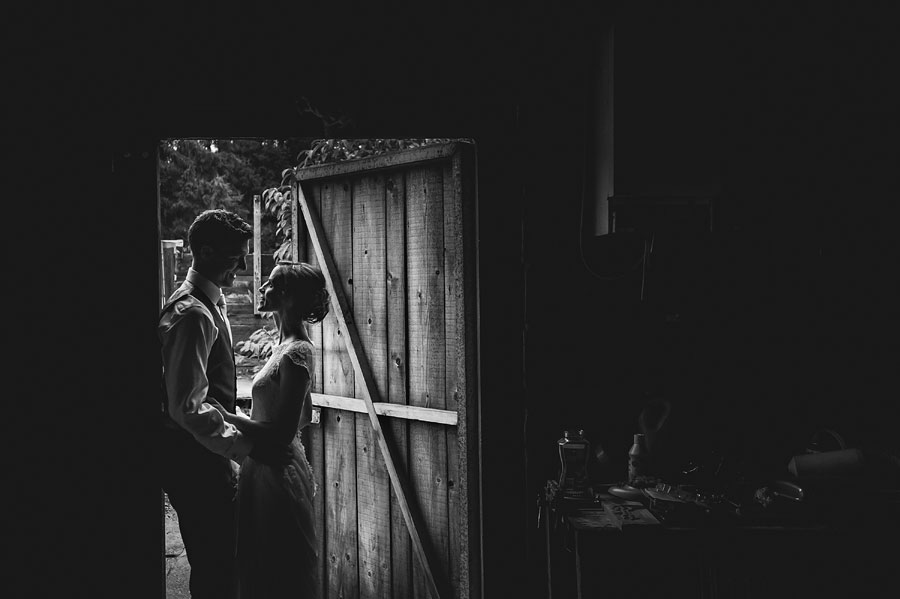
(304, 253)
(389, 161)
(257, 252)
(373, 485)
(427, 355)
(426, 360)
(464, 175)
(384, 408)
(295, 225)
(343, 312)
(317, 433)
(340, 441)
(398, 431)
(168, 273)
(455, 363)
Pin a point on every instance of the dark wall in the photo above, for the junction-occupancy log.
(777, 322)
(784, 310)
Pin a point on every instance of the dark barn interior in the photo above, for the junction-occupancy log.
(762, 321)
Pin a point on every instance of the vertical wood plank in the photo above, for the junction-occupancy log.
(295, 224)
(340, 440)
(300, 250)
(257, 252)
(373, 485)
(395, 231)
(453, 307)
(317, 433)
(427, 355)
(466, 394)
(168, 271)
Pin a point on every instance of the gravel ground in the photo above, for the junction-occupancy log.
(177, 568)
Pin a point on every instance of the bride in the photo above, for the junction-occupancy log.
(276, 538)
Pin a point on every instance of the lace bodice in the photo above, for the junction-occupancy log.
(265, 383)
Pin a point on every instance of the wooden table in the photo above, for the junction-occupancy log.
(716, 559)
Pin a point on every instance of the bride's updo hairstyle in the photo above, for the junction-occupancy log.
(305, 285)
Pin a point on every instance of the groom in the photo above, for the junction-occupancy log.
(200, 450)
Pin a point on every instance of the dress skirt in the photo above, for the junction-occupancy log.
(276, 536)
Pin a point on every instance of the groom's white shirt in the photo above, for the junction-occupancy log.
(187, 333)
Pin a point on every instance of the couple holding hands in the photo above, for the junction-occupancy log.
(241, 485)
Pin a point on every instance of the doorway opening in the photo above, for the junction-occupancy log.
(392, 225)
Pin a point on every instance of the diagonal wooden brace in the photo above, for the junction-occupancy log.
(340, 308)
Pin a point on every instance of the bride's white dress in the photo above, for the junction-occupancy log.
(276, 541)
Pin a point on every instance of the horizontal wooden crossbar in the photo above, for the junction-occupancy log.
(382, 408)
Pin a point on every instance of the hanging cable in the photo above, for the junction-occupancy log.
(643, 270)
(648, 249)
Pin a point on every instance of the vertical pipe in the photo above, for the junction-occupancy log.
(602, 151)
(577, 566)
(547, 516)
(160, 268)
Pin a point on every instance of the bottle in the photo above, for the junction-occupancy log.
(637, 456)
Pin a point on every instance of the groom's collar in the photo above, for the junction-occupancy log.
(205, 285)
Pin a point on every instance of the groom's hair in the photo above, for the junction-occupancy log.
(218, 229)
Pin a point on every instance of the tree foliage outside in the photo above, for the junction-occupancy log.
(196, 175)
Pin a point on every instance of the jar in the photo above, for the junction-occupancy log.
(573, 460)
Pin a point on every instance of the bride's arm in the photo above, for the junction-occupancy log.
(293, 380)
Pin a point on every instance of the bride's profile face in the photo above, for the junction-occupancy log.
(269, 297)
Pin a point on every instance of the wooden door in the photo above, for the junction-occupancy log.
(396, 235)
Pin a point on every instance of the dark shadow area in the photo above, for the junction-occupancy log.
(786, 318)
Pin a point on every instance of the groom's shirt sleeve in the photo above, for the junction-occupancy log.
(187, 334)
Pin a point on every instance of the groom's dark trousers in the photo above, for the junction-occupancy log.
(201, 488)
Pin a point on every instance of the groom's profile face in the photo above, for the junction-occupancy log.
(224, 263)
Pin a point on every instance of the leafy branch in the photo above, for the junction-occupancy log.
(258, 346)
(277, 201)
